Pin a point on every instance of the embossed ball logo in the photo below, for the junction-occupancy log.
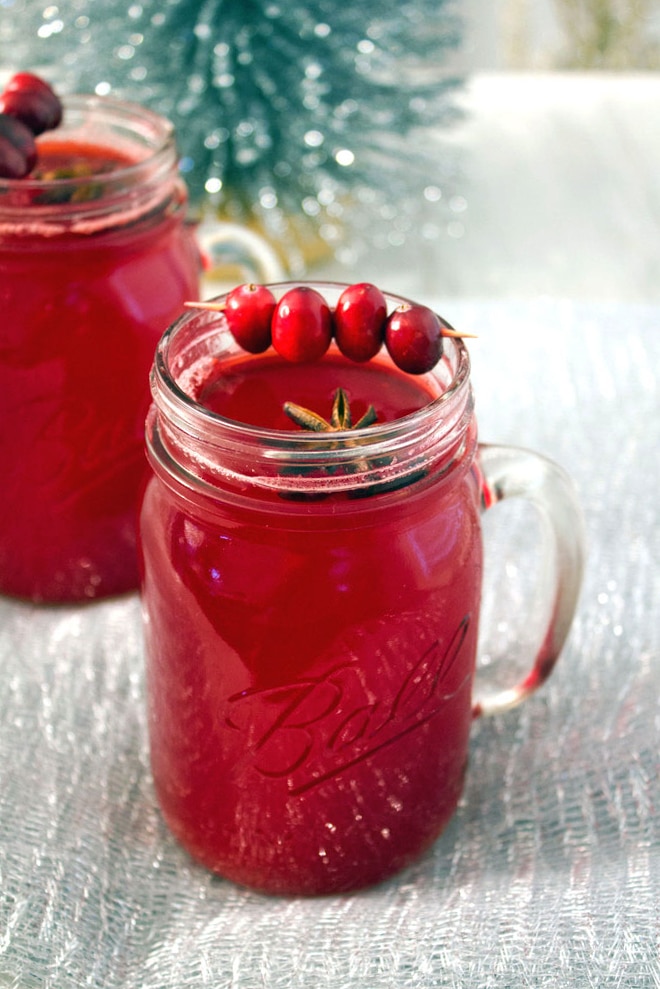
(315, 728)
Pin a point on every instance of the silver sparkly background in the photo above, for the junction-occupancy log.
(549, 875)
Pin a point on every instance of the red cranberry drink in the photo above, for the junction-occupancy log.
(94, 261)
(312, 563)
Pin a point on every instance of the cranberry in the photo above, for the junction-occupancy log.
(32, 101)
(360, 316)
(413, 337)
(302, 325)
(18, 152)
(249, 310)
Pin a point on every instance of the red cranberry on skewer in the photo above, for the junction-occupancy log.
(360, 316)
(18, 152)
(302, 325)
(413, 337)
(32, 101)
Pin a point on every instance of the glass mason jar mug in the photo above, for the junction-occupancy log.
(311, 606)
(96, 259)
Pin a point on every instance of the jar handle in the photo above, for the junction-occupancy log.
(232, 245)
(510, 472)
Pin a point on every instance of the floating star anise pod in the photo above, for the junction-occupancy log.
(340, 418)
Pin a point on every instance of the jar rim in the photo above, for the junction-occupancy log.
(215, 323)
(191, 440)
(105, 122)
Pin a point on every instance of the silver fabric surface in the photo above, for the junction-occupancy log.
(549, 875)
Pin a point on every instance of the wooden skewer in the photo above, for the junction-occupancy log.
(221, 306)
(459, 336)
(211, 306)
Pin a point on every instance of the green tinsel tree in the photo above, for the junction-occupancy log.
(287, 114)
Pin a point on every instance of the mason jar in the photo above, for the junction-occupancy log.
(96, 259)
(311, 605)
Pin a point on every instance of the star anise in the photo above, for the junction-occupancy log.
(340, 418)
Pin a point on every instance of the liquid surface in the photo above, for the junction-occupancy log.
(60, 159)
(254, 390)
